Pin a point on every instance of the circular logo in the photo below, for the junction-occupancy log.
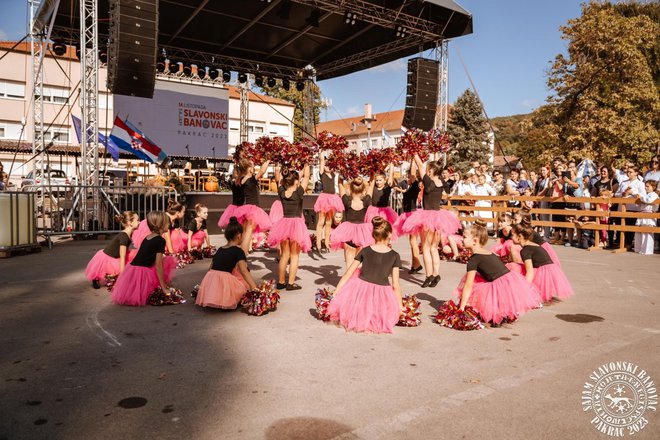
(206, 123)
(619, 394)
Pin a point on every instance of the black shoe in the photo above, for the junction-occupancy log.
(293, 286)
(96, 284)
(427, 282)
(414, 270)
(436, 280)
(280, 286)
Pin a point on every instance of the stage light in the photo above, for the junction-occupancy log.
(242, 77)
(187, 69)
(226, 75)
(213, 73)
(202, 72)
(59, 48)
(285, 10)
(174, 66)
(313, 19)
(300, 85)
(160, 65)
(350, 18)
(401, 31)
(259, 81)
(286, 84)
(272, 82)
(103, 56)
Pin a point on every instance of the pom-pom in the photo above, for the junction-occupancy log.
(110, 280)
(449, 315)
(261, 300)
(260, 240)
(195, 291)
(323, 298)
(208, 252)
(197, 254)
(437, 141)
(170, 297)
(411, 315)
(413, 142)
(329, 141)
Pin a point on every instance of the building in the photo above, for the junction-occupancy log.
(385, 131)
(61, 77)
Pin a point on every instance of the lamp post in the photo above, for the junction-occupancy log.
(367, 120)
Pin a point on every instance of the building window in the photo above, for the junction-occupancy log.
(12, 90)
(56, 95)
(59, 135)
(10, 130)
(234, 125)
(374, 143)
(363, 144)
(105, 100)
(353, 144)
(278, 129)
(2, 132)
(259, 129)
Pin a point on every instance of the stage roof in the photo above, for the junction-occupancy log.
(281, 37)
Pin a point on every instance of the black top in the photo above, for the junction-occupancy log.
(502, 235)
(146, 255)
(381, 197)
(447, 185)
(121, 239)
(432, 198)
(237, 194)
(225, 259)
(600, 186)
(192, 226)
(328, 183)
(251, 191)
(536, 238)
(377, 266)
(292, 206)
(490, 267)
(410, 197)
(174, 224)
(537, 254)
(351, 215)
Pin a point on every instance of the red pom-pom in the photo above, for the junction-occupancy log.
(261, 300)
(449, 315)
(411, 316)
(323, 298)
(329, 141)
(438, 142)
(170, 297)
(110, 280)
(413, 142)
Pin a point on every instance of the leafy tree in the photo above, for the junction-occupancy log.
(468, 131)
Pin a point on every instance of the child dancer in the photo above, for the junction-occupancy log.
(492, 289)
(525, 214)
(174, 236)
(538, 267)
(644, 240)
(250, 215)
(237, 199)
(409, 205)
(380, 189)
(327, 204)
(149, 269)
(290, 233)
(369, 302)
(112, 259)
(197, 232)
(504, 247)
(353, 233)
(431, 221)
(228, 279)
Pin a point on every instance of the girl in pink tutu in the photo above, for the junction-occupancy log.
(149, 269)
(409, 205)
(237, 199)
(380, 190)
(525, 213)
(368, 302)
(113, 258)
(353, 234)
(538, 267)
(489, 286)
(250, 215)
(197, 232)
(452, 245)
(228, 279)
(174, 236)
(327, 204)
(431, 221)
(504, 247)
(290, 233)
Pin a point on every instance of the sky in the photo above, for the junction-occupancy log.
(507, 56)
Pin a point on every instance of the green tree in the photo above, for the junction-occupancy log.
(605, 102)
(468, 132)
(297, 98)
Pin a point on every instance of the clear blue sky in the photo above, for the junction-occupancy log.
(507, 56)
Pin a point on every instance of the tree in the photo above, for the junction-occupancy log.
(605, 102)
(297, 98)
(468, 132)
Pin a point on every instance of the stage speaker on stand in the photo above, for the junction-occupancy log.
(133, 47)
(422, 94)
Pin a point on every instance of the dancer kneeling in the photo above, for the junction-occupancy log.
(228, 279)
(197, 231)
(494, 291)
(149, 269)
(368, 302)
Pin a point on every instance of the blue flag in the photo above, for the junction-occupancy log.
(109, 145)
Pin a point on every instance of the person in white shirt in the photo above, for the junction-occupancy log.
(482, 188)
(654, 172)
(484, 171)
(644, 243)
(631, 187)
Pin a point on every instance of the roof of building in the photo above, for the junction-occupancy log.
(499, 161)
(234, 93)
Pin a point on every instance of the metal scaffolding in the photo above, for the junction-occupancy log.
(37, 52)
(442, 56)
(245, 110)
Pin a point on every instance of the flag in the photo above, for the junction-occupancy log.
(110, 146)
(129, 138)
(387, 139)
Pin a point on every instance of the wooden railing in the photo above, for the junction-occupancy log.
(500, 204)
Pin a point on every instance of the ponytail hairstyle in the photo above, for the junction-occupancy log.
(382, 229)
(479, 231)
(233, 229)
(524, 228)
(358, 186)
(125, 218)
(174, 207)
(199, 207)
(433, 168)
(244, 166)
(157, 221)
(290, 179)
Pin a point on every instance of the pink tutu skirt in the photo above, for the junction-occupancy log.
(256, 215)
(328, 203)
(136, 283)
(101, 265)
(357, 233)
(551, 253)
(276, 212)
(198, 239)
(507, 250)
(179, 240)
(137, 237)
(387, 213)
(507, 297)
(549, 280)
(365, 307)
(228, 213)
(221, 290)
(432, 220)
(292, 229)
(458, 239)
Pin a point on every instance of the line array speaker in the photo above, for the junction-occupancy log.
(133, 47)
(422, 94)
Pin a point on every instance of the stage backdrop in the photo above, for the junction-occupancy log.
(182, 119)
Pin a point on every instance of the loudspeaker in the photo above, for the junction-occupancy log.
(133, 47)
(422, 94)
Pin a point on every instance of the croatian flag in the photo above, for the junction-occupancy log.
(110, 146)
(129, 138)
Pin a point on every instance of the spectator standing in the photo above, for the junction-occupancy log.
(604, 187)
(644, 241)
(498, 182)
(571, 185)
(633, 187)
(654, 171)
(482, 188)
(541, 189)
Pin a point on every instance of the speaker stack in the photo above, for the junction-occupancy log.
(422, 94)
(133, 47)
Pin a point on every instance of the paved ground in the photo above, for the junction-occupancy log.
(69, 359)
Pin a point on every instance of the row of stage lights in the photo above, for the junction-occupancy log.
(186, 70)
